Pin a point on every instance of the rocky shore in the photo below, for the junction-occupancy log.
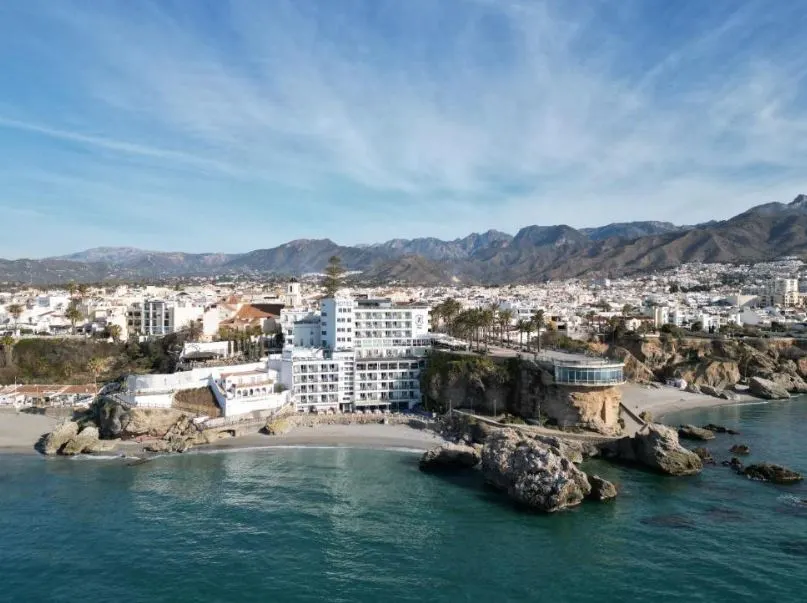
(541, 472)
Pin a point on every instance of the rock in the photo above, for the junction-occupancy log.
(277, 426)
(727, 395)
(601, 489)
(764, 388)
(55, 441)
(655, 447)
(692, 388)
(768, 472)
(85, 441)
(734, 464)
(704, 455)
(532, 473)
(115, 420)
(740, 449)
(450, 456)
(711, 391)
(571, 449)
(690, 432)
(720, 429)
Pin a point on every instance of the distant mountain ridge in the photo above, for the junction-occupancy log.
(534, 253)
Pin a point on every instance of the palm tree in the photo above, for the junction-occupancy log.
(528, 329)
(71, 289)
(487, 319)
(8, 349)
(96, 367)
(114, 332)
(73, 314)
(538, 323)
(505, 318)
(82, 290)
(521, 327)
(16, 311)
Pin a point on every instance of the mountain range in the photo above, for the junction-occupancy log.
(535, 253)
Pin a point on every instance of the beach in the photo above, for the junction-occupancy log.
(663, 400)
(20, 431)
(373, 436)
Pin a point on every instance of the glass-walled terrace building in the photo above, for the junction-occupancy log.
(597, 374)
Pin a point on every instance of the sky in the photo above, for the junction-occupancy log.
(232, 125)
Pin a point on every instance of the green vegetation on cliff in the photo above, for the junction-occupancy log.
(445, 368)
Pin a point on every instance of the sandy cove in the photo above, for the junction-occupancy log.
(664, 400)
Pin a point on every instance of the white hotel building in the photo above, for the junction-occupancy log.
(366, 353)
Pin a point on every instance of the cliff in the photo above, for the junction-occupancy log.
(518, 386)
(717, 363)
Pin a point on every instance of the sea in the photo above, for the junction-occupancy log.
(353, 525)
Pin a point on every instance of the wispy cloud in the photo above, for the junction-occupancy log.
(445, 116)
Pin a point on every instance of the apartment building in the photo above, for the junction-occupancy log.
(154, 317)
(366, 353)
(783, 292)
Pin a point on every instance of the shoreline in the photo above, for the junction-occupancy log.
(665, 400)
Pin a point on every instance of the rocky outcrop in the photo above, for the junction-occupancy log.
(768, 472)
(277, 426)
(521, 387)
(690, 432)
(742, 449)
(767, 389)
(720, 429)
(69, 438)
(655, 447)
(734, 464)
(450, 456)
(574, 450)
(635, 370)
(55, 441)
(705, 455)
(601, 489)
(531, 473)
(116, 420)
(86, 442)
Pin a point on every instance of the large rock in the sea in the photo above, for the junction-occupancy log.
(655, 447)
(764, 388)
(450, 456)
(601, 489)
(740, 449)
(690, 432)
(720, 429)
(768, 472)
(56, 440)
(574, 450)
(532, 473)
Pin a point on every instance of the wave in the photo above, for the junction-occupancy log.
(299, 447)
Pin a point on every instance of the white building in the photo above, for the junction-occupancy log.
(783, 292)
(365, 353)
(154, 317)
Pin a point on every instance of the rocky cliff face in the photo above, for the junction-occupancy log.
(715, 363)
(521, 387)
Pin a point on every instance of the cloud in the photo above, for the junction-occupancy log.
(501, 113)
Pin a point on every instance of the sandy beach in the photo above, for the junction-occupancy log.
(665, 400)
(20, 431)
(352, 436)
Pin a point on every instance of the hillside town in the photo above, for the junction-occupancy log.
(364, 347)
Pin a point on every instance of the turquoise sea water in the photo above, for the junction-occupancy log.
(361, 525)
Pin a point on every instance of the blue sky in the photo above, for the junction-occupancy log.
(232, 125)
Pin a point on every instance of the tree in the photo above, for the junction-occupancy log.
(82, 290)
(505, 318)
(521, 327)
(73, 314)
(16, 311)
(193, 330)
(114, 332)
(538, 323)
(334, 276)
(8, 349)
(96, 367)
(697, 326)
(71, 289)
